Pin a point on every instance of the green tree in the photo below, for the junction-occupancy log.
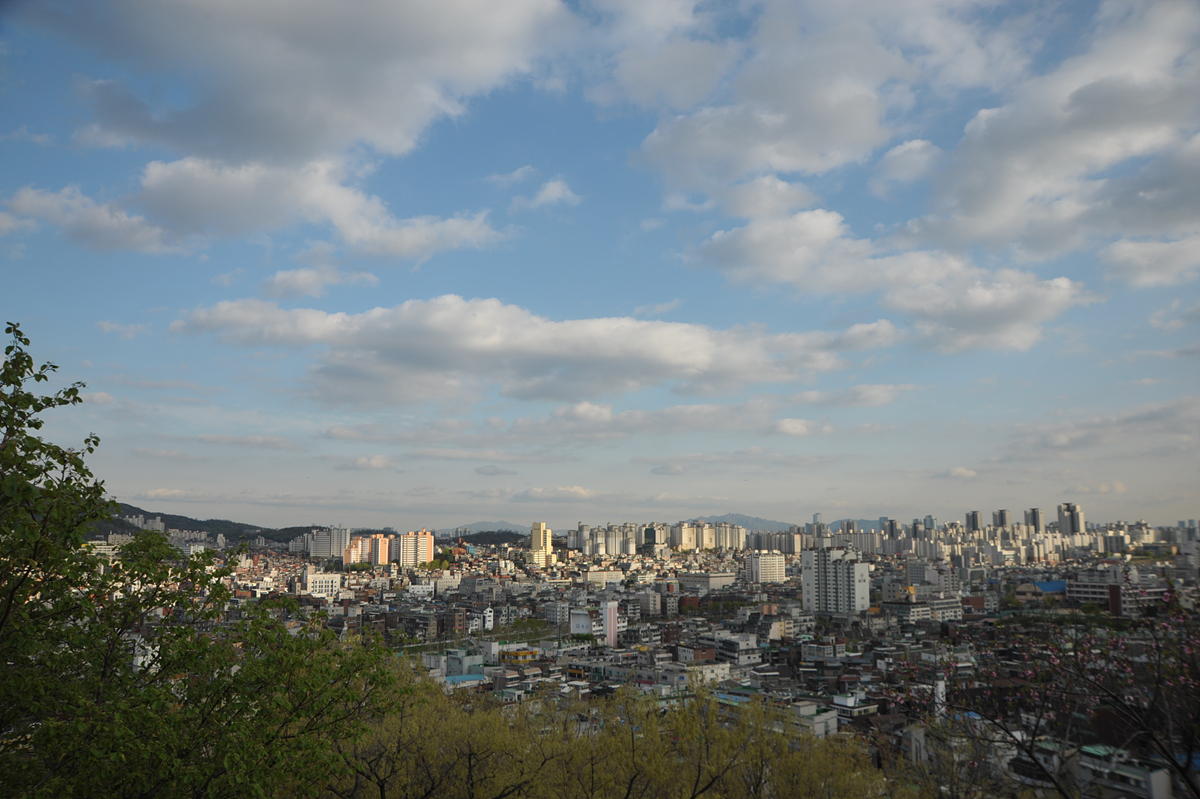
(140, 678)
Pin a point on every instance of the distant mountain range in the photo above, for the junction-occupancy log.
(749, 522)
(239, 530)
(770, 526)
(481, 527)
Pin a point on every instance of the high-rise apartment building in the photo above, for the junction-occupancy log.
(766, 567)
(835, 581)
(413, 549)
(541, 546)
(974, 521)
(379, 549)
(357, 551)
(1001, 518)
(330, 543)
(1070, 519)
(1036, 520)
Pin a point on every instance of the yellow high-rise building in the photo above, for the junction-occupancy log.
(541, 546)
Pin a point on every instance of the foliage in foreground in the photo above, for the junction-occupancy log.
(136, 679)
(432, 746)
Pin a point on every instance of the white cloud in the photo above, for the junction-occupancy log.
(195, 195)
(311, 282)
(422, 350)
(557, 494)
(955, 304)
(11, 224)
(369, 463)
(1154, 263)
(1004, 310)
(271, 101)
(814, 85)
(864, 395)
(958, 473)
(587, 421)
(795, 427)
(100, 226)
(98, 398)
(656, 310)
(1170, 319)
(1031, 172)
(250, 442)
(766, 196)
(552, 192)
(1156, 427)
(125, 331)
(519, 175)
(904, 163)
(302, 80)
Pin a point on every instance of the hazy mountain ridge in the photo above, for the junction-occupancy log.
(481, 527)
(749, 522)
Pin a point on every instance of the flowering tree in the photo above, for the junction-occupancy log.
(1049, 685)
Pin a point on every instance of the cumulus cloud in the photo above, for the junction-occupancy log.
(552, 192)
(864, 395)
(795, 427)
(660, 308)
(492, 470)
(311, 282)
(816, 84)
(442, 347)
(556, 494)
(99, 226)
(587, 421)
(905, 163)
(956, 305)
(369, 463)
(958, 473)
(766, 196)
(1031, 172)
(1155, 427)
(760, 458)
(375, 73)
(203, 196)
(98, 398)
(124, 331)
(519, 175)
(1154, 263)
(268, 111)
(1004, 310)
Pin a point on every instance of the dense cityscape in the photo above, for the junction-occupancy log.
(600, 399)
(834, 622)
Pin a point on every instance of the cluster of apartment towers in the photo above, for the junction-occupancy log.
(406, 549)
(631, 539)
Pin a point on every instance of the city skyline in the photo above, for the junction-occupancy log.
(417, 266)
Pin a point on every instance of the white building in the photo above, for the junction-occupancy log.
(321, 584)
(835, 581)
(766, 567)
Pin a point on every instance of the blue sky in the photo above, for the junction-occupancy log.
(424, 264)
